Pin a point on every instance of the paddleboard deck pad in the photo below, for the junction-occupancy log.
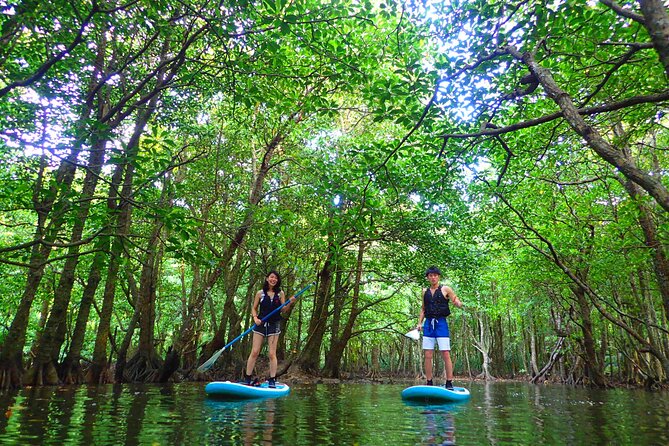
(435, 394)
(240, 391)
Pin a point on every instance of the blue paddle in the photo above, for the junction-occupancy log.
(210, 362)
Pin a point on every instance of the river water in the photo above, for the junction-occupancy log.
(332, 414)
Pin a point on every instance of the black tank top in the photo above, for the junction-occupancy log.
(436, 304)
(269, 304)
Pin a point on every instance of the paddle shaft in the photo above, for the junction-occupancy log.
(215, 356)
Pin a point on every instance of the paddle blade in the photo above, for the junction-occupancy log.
(413, 334)
(210, 362)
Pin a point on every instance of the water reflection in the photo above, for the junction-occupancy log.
(241, 422)
(363, 414)
(440, 429)
(438, 421)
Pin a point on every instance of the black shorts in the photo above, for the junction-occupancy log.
(269, 329)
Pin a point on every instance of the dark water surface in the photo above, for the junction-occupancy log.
(341, 414)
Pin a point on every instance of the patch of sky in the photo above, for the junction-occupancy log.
(324, 141)
(6, 8)
(203, 118)
(48, 139)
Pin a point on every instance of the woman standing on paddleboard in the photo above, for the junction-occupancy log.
(432, 321)
(269, 298)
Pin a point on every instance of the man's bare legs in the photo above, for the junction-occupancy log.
(448, 364)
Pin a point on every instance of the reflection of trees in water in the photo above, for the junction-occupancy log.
(326, 415)
(60, 414)
(8, 404)
(263, 429)
(33, 408)
(135, 418)
(252, 422)
(93, 402)
(46, 415)
(488, 408)
(57, 417)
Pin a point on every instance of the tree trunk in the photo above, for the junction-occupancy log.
(497, 338)
(53, 205)
(47, 353)
(289, 284)
(483, 346)
(540, 376)
(652, 241)
(122, 356)
(466, 332)
(145, 365)
(593, 368)
(310, 357)
(533, 349)
(581, 285)
(649, 227)
(71, 371)
(331, 368)
(656, 21)
(648, 311)
(339, 343)
(121, 217)
(336, 350)
(375, 367)
(98, 369)
(497, 349)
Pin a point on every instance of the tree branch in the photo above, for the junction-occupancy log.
(623, 12)
(592, 137)
(587, 111)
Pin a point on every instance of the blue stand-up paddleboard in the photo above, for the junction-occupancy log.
(239, 391)
(435, 394)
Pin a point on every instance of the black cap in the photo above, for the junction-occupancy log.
(433, 269)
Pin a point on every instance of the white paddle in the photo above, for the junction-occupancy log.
(413, 334)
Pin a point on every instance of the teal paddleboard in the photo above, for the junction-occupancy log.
(239, 391)
(435, 394)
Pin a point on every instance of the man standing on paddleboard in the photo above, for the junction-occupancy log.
(432, 321)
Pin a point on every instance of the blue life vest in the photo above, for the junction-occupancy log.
(436, 305)
(269, 304)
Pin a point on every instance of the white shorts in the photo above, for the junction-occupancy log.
(444, 343)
